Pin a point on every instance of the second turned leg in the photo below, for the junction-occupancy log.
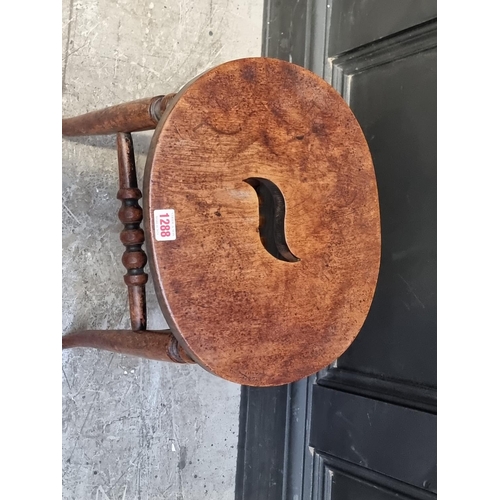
(134, 258)
(134, 116)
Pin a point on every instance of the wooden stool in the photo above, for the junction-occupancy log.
(262, 223)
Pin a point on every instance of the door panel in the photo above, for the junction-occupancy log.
(388, 439)
(359, 22)
(391, 88)
(350, 482)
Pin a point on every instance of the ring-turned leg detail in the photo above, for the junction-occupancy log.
(130, 214)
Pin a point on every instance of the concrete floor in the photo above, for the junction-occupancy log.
(132, 428)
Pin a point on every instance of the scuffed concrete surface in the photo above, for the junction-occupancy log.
(132, 428)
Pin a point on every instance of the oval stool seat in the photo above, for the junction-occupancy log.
(263, 176)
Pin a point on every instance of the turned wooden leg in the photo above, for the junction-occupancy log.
(134, 258)
(134, 116)
(159, 345)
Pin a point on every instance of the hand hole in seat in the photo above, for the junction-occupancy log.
(272, 218)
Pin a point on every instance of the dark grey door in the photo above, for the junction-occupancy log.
(365, 428)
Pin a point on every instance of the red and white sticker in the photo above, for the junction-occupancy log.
(165, 224)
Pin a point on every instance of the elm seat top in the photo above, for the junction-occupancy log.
(277, 229)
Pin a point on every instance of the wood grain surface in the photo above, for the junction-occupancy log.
(239, 311)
